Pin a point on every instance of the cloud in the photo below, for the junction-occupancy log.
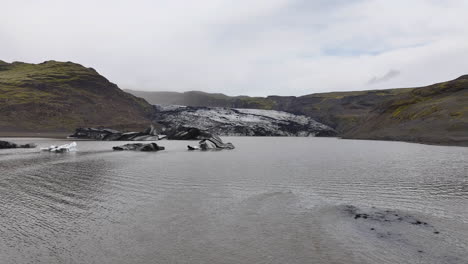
(389, 75)
(255, 47)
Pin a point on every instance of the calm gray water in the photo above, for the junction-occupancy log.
(271, 200)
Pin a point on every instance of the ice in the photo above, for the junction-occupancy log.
(62, 148)
(235, 121)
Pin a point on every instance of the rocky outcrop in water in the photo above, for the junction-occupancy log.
(140, 147)
(107, 134)
(9, 145)
(237, 122)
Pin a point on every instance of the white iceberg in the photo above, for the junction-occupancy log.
(62, 148)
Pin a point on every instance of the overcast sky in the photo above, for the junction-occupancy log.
(249, 47)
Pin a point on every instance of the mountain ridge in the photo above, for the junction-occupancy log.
(435, 114)
(60, 96)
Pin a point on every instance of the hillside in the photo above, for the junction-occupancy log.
(436, 114)
(198, 98)
(433, 114)
(60, 96)
(192, 98)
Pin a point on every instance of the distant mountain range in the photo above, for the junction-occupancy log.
(435, 114)
(61, 96)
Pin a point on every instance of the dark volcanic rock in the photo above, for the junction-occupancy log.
(140, 147)
(9, 145)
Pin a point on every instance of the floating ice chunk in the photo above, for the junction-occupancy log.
(62, 148)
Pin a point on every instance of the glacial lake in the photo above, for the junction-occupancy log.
(270, 200)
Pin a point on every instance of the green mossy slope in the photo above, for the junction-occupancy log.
(434, 114)
(60, 96)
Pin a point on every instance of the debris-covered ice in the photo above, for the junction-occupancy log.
(240, 122)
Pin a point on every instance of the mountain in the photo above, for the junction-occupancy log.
(436, 114)
(192, 98)
(61, 96)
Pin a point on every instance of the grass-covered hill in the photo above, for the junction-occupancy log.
(437, 114)
(434, 114)
(60, 96)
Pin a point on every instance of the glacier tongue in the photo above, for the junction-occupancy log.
(240, 122)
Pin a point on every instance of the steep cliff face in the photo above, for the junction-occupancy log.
(60, 96)
(239, 122)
